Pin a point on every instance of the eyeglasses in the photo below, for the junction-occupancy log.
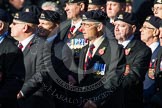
(157, 8)
(87, 25)
(15, 23)
(145, 27)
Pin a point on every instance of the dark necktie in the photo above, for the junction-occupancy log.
(70, 34)
(89, 56)
(20, 46)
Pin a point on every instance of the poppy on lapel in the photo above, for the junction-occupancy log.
(127, 51)
(102, 51)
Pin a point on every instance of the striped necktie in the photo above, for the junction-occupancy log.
(20, 46)
(70, 34)
(89, 56)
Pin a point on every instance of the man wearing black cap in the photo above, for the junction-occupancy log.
(157, 8)
(150, 35)
(49, 22)
(71, 32)
(137, 63)
(48, 28)
(97, 5)
(12, 70)
(101, 58)
(23, 29)
(114, 7)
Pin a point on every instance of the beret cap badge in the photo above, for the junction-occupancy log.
(159, 1)
(84, 17)
(27, 10)
(120, 16)
(71, 0)
(90, 1)
(148, 18)
(42, 15)
(16, 15)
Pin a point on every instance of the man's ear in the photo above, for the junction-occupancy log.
(100, 27)
(134, 28)
(82, 6)
(1, 25)
(25, 28)
(156, 32)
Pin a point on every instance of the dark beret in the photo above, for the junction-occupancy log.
(4, 16)
(97, 2)
(129, 18)
(119, 1)
(153, 20)
(75, 1)
(48, 15)
(157, 1)
(128, 1)
(94, 15)
(28, 17)
(33, 8)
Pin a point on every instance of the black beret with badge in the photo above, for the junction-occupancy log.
(48, 15)
(75, 1)
(153, 20)
(94, 16)
(157, 1)
(118, 1)
(33, 8)
(28, 17)
(129, 18)
(97, 2)
(128, 1)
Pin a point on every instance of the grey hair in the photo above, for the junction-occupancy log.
(52, 5)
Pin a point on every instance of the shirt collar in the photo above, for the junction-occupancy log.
(126, 42)
(153, 46)
(97, 43)
(77, 25)
(26, 41)
(51, 38)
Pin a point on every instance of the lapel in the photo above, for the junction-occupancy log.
(98, 57)
(27, 48)
(159, 59)
(78, 31)
(98, 54)
(64, 29)
(3, 44)
(154, 54)
(81, 62)
(132, 46)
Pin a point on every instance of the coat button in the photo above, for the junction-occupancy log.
(160, 76)
(157, 89)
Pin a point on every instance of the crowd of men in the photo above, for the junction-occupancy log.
(80, 54)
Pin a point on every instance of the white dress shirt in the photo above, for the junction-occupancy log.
(26, 41)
